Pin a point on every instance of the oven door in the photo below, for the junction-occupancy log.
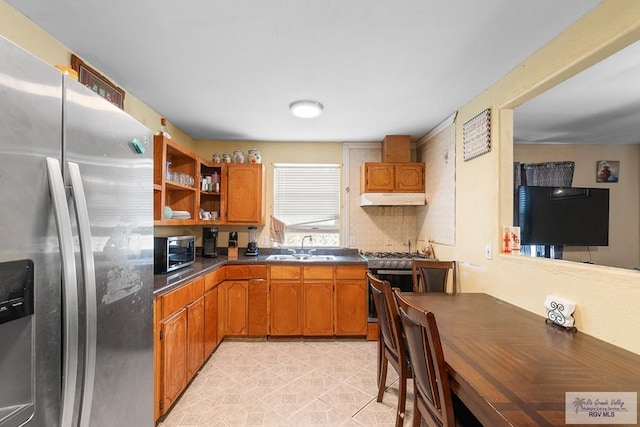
(401, 279)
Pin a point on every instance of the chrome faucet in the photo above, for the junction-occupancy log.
(302, 244)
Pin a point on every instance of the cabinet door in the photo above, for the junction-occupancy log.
(317, 307)
(195, 334)
(210, 321)
(378, 177)
(285, 308)
(351, 307)
(222, 312)
(409, 177)
(244, 194)
(157, 359)
(174, 357)
(237, 307)
(257, 307)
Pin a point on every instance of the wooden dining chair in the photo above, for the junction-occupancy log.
(432, 276)
(391, 343)
(433, 400)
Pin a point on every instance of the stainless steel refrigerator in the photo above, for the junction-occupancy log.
(76, 253)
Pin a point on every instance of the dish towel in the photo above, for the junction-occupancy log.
(278, 229)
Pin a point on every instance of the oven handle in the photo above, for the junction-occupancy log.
(396, 272)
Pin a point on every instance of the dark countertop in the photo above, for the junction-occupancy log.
(163, 283)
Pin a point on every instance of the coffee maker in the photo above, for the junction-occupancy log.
(209, 242)
(252, 246)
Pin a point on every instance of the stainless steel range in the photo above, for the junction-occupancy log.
(394, 267)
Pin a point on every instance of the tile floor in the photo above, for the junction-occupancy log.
(289, 383)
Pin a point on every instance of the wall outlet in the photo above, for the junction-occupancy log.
(352, 241)
(388, 242)
(265, 241)
(488, 252)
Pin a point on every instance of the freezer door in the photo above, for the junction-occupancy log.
(30, 345)
(118, 187)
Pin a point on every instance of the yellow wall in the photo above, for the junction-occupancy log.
(607, 298)
(23, 32)
(272, 152)
(624, 223)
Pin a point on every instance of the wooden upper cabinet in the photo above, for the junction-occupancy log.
(170, 157)
(409, 177)
(392, 177)
(245, 182)
(377, 177)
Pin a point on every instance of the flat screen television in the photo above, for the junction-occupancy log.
(563, 216)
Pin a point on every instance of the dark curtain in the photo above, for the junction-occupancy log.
(548, 174)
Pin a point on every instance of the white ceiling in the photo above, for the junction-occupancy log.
(601, 105)
(229, 69)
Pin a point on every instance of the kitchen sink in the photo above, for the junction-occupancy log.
(301, 257)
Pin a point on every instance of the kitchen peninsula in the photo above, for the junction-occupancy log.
(196, 307)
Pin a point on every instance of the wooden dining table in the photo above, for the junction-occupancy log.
(512, 369)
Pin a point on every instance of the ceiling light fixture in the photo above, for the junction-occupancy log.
(306, 109)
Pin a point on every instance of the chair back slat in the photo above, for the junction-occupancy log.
(432, 276)
(387, 313)
(432, 388)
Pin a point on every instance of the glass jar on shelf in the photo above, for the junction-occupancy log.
(255, 156)
(238, 156)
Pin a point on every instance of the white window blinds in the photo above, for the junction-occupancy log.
(306, 197)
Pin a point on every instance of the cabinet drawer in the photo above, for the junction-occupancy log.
(237, 272)
(257, 272)
(214, 278)
(285, 272)
(315, 272)
(182, 296)
(350, 272)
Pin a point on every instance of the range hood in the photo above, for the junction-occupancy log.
(392, 199)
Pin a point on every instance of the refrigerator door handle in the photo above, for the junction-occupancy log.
(88, 270)
(69, 292)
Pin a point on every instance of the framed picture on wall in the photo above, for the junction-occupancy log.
(607, 170)
(97, 82)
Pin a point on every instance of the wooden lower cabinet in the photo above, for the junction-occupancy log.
(174, 357)
(210, 321)
(257, 319)
(222, 312)
(317, 307)
(350, 301)
(237, 307)
(317, 299)
(195, 334)
(285, 308)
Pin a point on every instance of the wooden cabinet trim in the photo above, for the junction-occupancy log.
(350, 272)
(182, 296)
(237, 272)
(313, 272)
(285, 272)
(214, 278)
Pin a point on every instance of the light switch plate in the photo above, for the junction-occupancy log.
(488, 252)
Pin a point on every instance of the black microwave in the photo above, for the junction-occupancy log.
(172, 253)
